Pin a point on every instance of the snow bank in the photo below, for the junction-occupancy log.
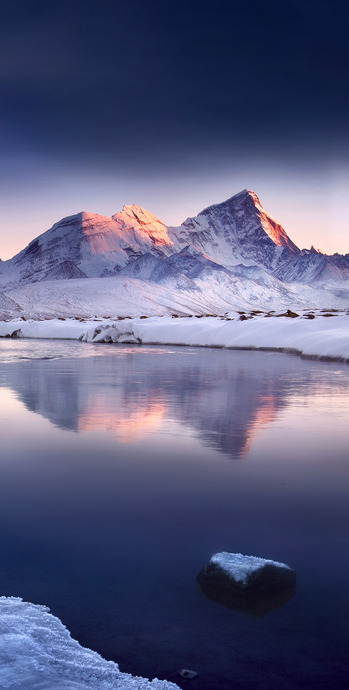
(319, 337)
(37, 652)
(239, 567)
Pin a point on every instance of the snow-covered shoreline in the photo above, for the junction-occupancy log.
(37, 651)
(320, 335)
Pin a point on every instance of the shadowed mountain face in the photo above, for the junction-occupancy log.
(134, 394)
(313, 267)
(236, 232)
(65, 270)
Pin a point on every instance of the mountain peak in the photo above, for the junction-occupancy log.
(82, 220)
(247, 199)
(141, 215)
(134, 216)
(134, 208)
(235, 231)
(245, 196)
(247, 193)
(88, 215)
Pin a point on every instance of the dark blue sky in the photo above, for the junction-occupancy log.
(166, 91)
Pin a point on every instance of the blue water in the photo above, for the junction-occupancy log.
(123, 469)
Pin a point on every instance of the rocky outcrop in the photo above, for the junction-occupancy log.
(66, 270)
(247, 584)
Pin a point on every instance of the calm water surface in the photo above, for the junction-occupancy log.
(124, 469)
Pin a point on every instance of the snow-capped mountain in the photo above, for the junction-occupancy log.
(230, 255)
(88, 245)
(180, 269)
(237, 231)
(311, 266)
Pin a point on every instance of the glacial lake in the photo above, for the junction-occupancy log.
(123, 469)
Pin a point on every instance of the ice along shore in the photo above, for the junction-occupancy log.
(316, 334)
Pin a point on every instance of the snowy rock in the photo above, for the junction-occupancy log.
(247, 584)
(38, 653)
(110, 333)
(247, 571)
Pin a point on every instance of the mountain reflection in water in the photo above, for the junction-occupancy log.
(216, 394)
(124, 478)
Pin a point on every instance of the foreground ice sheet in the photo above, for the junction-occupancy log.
(38, 653)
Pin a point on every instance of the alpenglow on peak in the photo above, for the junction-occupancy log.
(236, 235)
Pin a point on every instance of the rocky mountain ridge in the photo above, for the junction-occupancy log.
(234, 238)
(237, 231)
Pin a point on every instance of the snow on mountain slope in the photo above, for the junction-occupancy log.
(8, 307)
(241, 286)
(216, 293)
(92, 243)
(113, 296)
(155, 270)
(178, 270)
(66, 270)
(236, 231)
(120, 296)
(232, 255)
(147, 226)
(310, 266)
(192, 262)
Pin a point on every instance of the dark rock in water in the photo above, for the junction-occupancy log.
(187, 673)
(247, 584)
